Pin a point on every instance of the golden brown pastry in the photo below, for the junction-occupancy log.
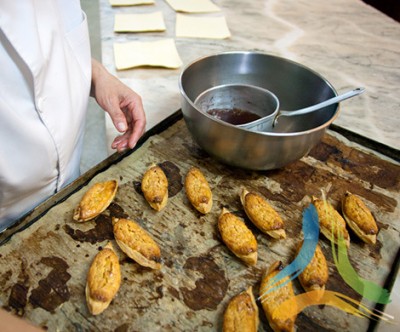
(330, 220)
(103, 280)
(198, 190)
(359, 218)
(262, 214)
(237, 237)
(137, 243)
(241, 313)
(155, 187)
(96, 200)
(316, 274)
(272, 300)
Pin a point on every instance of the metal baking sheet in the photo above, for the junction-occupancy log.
(46, 256)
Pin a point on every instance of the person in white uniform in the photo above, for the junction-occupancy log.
(47, 75)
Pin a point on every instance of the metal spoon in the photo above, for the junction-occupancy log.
(267, 122)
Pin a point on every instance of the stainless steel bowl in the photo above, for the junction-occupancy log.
(295, 85)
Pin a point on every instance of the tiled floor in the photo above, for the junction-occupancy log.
(94, 149)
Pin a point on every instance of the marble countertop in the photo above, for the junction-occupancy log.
(348, 42)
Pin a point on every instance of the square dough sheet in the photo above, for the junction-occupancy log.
(160, 53)
(214, 27)
(193, 6)
(139, 22)
(130, 2)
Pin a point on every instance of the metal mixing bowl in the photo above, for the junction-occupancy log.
(295, 85)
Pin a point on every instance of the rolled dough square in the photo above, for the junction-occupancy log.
(160, 53)
(130, 2)
(213, 27)
(193, 6)
(139, 22)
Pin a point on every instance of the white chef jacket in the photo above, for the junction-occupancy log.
(45, 76)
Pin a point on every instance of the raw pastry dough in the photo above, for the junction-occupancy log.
(139, 22)
(160, 53)
(214, 27)
(193, 6)
(130, 2)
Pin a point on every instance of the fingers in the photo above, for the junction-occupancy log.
(138, 130)
(119, 119)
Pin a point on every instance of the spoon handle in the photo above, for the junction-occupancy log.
(325, 103)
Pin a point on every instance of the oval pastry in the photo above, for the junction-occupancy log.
(359, 218)
(315, 275)
(198, 190)
(103, 280)
(271, 301)
(155, 187)
(241, 313)
(137, 243)
(330, 221)
(262, 214)
(96, 200)
(237, 237)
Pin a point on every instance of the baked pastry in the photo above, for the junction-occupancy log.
(198, 190)
(330, 221)
(103, 280)
(137, 243)
(95, 200)
(271, 301)
(262, 214)
(359, 218)
(238, 237)
(316, 274)
(241, 313)
(155, 187)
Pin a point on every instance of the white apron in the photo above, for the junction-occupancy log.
(45, 77)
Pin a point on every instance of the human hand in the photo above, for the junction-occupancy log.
(122, 104)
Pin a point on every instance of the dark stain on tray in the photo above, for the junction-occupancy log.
(19, 291)
(52, 290)
(210, 290)
(102, 230)
(365, 166)
(117, 211)
(299, 179)
(122, 328)
(172, 172)
(18, 298)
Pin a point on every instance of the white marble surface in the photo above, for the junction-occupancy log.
(348, 42)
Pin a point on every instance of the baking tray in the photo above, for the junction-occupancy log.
(45, 256)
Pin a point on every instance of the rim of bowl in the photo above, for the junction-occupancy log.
(295, 133)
